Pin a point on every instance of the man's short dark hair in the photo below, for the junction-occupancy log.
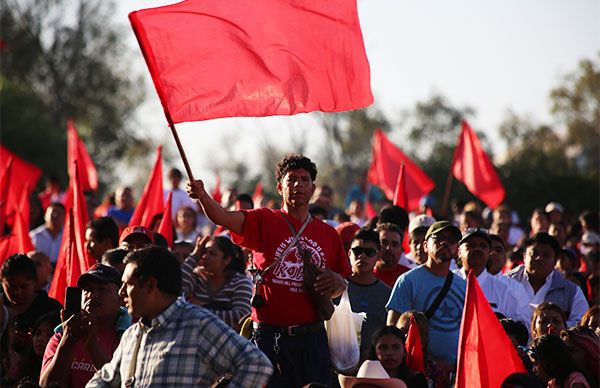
(367, 235)
(396, 215)
(58, 205)
(158, 263)
(114, 257)
(517, 329)
(389, 227)
(295, 162)
(19, 264)
(105, 227)
(420, 231)
(543, 238)
(495, 237)
(245, 198)
(174, 173)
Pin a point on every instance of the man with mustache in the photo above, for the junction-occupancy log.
(87, 340)
(431, 284)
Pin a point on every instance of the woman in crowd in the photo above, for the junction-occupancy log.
(584, 346)
(547, 318)
(388, 348)
(591, 319)
(214, 278)
(554, 364)
(185, 224)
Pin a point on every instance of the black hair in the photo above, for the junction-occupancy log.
(19, 264)
(554, 357)
(396, 332)
(245, 198)
(113, 257)
(295, 162)
(516, 329)
(232, 250)
(390, 227)
(59, 206)
(591, 219)
(394, 214)
(367, 235)
(160, 240)
(495, 237)
(52, 319)
(316, 210)
(543, 238)
(105, 227)
(158, 263)
(175, 173)
(421, 230)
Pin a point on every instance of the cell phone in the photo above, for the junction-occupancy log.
(72, 301)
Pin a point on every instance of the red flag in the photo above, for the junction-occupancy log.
(4, 190)
(258, 194)
(166, 223)
(151, 203)
(216, 193)
(483, 342)
(369, 211)
(255, 58)
(22, 174)
(76, 151)
(18, 241)
(385, 166)
(414, 348)
(400, 197)
(73, 259)
(473, 167)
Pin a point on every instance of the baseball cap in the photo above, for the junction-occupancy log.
(420, 221)
(590, 238)
(439, 226)
(102, 273)
(471, 232)
(554, 206)
(138, 229)
(347, 230)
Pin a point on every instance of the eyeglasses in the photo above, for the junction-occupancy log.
(438, 238)
(369, 252)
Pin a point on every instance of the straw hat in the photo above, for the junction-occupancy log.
(371, 373)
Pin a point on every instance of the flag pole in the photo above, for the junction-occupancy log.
(444, 209)
(186, 164)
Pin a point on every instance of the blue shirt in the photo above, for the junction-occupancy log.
(416, 290)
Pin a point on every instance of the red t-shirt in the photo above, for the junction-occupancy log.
(389, 276)
(82, 368)
(266, 232)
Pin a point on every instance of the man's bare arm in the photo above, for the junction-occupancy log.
(393, 317)
(232, 220)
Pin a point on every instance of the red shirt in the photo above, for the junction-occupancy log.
(266, 232)
(389, 276)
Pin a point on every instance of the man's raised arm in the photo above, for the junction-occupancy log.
(232, 220)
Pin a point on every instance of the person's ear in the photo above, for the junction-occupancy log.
(151, 284)
(279, 188)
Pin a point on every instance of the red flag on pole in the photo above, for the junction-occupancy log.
(216, 193)
(166, 223)
(400, 197)
(473, 167)
(4, 190)
(258, 194)
(76, 151)
(18, 241)
(414, 348)
(73, 259)
(386, 160)
(369, 210)
(151, 202)
(482, 343)
(255, 58)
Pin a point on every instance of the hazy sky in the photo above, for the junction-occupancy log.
(491, 56)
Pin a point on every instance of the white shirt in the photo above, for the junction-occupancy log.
(180, 199)
(507, 300)
(406, 262)
(44, 242)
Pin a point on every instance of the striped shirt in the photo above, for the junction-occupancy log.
(185, 346)
(230, 303)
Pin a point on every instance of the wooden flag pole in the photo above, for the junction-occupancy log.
(186, 164)
(444, 208)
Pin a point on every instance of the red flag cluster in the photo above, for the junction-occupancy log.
(151, 203)
(210, 59)
(76, 151)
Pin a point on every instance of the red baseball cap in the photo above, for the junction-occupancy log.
(138, 229)
(347, 230)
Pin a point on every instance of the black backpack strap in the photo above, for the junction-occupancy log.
(440, 296)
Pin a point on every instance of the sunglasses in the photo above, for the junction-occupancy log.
(438, 238)
(369, 252)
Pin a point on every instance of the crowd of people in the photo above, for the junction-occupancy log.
(240, 297)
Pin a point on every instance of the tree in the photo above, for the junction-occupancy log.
(71, 62)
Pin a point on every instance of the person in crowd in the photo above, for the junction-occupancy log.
(214, 277)
(288, 310)
(42, 331)
(590, 221)
(554, 364)
(584, 346)
(591, 319)
(174, 343)
(539, 221)
(347, 230)
(497, 259)
(179, 198)
(590, 242)
(387, 346)
(474, 252)
(416, 232)
(86, 340)
(559, 232)
(567, 264)
(324, 197)
(47, 237)
(124, 206)
(419, 288)
(547, 318)
(101, 235)
(43, 269)
(366, 292)
(185, 225)
(470, 220)
(182, 250)
(357, 213)
(388, 268)
(519, 336)
(115, 258)
(136, 237)
(542, 283)
(502, 225)
(51, 193)
(555, 212)
(370, 374)
(243, 201)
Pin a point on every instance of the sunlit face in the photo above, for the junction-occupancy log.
(391, 246)
(296, 187)
(441, 247)
(417, 247)
(18, 289)
(389, 350)
(497, 257)
(548, 321)
(539, 260)
(100, 299)
(94, 246)
(135, 242)
(54, 217)
(124, 198)
(134, 294)
(539, 222)
(213, 262)
(474, 253)
(185, 219)
(363, 256)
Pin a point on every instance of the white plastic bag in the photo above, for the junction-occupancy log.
(342, 330)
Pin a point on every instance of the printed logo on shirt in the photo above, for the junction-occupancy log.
(289, 270)
(83, 366)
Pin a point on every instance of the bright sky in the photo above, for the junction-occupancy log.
(488, 55)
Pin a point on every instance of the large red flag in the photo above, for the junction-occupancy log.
(18, 241)
(473, 167)
(76, 151)
(73, 259)
(486, 356)
(400, 196)
(151, 202)
(385, 167)
(166, 223)
(211, 59)
(414, 348)
(4, 189)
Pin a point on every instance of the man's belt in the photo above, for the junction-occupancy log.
(290, 330)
